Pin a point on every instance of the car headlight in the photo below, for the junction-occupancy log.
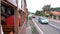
(42, 20)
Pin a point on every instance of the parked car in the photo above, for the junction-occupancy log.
(43, 20)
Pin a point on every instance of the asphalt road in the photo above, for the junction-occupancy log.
(54, 23)
(46, 28)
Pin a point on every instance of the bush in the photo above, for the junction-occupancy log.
(59, 17)
(30, 18)
(54, 17)
(51, 14)
(46, 15)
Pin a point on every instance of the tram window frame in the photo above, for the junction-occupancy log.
(3, 9)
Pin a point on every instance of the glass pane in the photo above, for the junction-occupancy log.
(3, 9)
(14, 1)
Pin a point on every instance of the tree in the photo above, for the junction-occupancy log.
(40, 13)
(59, 17)
(51, 14)
(46, 8)
(37, 12)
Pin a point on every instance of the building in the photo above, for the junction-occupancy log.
(55, 12)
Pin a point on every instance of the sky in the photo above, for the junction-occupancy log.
(34, 5)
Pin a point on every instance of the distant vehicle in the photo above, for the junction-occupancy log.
(43, 20)
(33, 16)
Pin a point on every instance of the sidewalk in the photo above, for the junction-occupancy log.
(28, 28)
(55, 23)
(55, 20)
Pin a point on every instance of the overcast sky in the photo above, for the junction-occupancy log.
(34, 5)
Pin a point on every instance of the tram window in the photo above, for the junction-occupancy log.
(2, 15)
(3, 19)
(3, 9)
(12, 11)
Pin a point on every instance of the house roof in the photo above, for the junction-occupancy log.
(55, 13)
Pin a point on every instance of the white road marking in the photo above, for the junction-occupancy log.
(38, 27)
(54, 26)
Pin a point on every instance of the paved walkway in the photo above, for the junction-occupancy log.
(55, 20)
(55, 23)
(28, 29)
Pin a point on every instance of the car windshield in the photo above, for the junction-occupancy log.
(43, 18)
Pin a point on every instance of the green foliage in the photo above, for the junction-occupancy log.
(46, 15)
(40, 13)
(59, 17)
(33, 28)
(57, 9)
(30, 18)
(37, 13)
(46, 8)
(52, 14)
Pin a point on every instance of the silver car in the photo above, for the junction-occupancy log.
(43, 20)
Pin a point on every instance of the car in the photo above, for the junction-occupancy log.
(33, 16)
(43, 20)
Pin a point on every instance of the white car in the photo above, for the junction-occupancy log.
(43, 20)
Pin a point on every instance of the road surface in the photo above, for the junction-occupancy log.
(46, 28)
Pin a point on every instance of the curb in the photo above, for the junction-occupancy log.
(38, 28)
